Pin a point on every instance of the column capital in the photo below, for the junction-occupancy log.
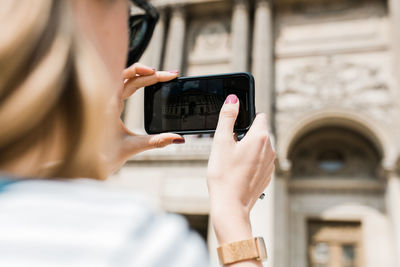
(263, 3)
(241, 4)
(178, 10)
(390, 169)
(161, 10)
(283, 168)
(175, 38)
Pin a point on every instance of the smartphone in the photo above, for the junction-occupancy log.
(191, 105)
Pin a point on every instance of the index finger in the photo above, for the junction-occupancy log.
(137, 69)
(141, 81)
(227, 118)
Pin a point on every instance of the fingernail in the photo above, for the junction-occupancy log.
(174, 71)
(154, 69)
(231, 99)
(179, 141)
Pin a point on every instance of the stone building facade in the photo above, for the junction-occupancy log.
(326, 74)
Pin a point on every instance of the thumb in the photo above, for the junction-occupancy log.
(164, 139)
(134, 144)
(227, 117)
(145, 142)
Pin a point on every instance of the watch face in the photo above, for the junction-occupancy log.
(262, 250)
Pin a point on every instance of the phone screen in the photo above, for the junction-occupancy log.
(193, 103)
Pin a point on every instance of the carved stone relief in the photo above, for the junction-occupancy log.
(360, 82)
(209, 39)
(209, 45)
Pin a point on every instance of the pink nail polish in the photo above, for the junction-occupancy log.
(174, 71)
(231, 99)
(179, 141)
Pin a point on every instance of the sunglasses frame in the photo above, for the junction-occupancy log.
(151, 16)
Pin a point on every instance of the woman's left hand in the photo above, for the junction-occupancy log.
(135, 77)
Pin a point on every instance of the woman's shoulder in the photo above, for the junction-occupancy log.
(86, 196)
(84, 218)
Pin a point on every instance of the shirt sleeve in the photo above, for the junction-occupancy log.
(162, 241)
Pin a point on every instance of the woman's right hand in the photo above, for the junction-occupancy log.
(238, 172)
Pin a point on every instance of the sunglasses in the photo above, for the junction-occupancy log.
(141, 28)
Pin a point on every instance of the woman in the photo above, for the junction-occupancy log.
(61, 64)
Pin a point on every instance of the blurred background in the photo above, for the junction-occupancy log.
(326, 74)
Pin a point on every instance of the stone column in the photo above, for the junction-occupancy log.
(240, 35)
(134, 117)
(281, 215)
(393, 209)
(262, 66)
(263, 57)
(263, 221)
(175, 40)
(153, 54)
(394, 11)
(393, 183)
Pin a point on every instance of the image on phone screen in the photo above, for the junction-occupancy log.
(193, 103)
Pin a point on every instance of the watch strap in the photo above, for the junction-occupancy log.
(251, 249)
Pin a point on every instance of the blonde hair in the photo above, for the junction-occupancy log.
(51, 78)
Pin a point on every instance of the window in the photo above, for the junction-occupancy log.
(320, 254)
(331, 161)
(348, 255)
(334, 244)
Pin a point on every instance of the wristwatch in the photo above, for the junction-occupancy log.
(252, 249)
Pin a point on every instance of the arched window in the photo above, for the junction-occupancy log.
(334, 152)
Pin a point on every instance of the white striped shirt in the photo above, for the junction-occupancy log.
(83, 223)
